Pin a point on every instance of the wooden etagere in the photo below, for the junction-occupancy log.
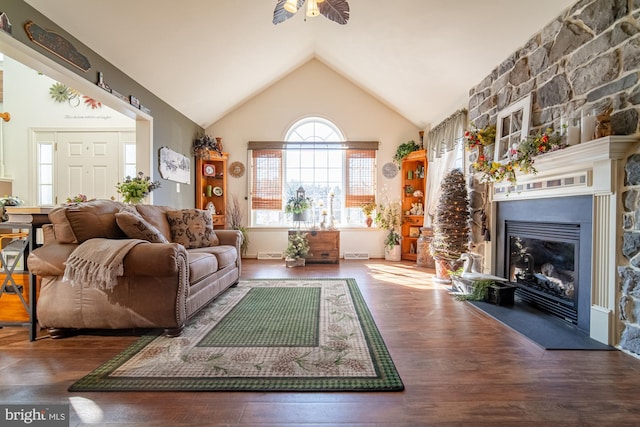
(414, 182)
(211, 186)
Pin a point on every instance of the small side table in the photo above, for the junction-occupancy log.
(21, 235)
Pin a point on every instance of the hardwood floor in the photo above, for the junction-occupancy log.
(459, 366)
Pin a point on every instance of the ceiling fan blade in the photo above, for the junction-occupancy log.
(280, 14)
(335, 10)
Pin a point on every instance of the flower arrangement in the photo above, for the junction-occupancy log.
(80, 198)
(298, 246)
(204, 144)
(521, 158)
(137, 188)
(479, 137)
(389, 217)
(297, 204)
(533, 145)
(368, 208)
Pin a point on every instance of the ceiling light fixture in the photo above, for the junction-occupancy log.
(335, 10)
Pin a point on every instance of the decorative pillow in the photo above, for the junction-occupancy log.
(136, 227)
(192, 228)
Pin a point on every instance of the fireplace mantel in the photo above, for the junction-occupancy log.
(594, 168)
(588, 168)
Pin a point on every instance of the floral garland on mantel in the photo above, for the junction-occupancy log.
(521, 158)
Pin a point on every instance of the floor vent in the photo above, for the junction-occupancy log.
(269, 255)
(356, 255)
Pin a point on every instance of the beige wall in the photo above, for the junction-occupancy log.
(314, 89)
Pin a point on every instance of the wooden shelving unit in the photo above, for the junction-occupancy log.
(414, 178)
(211, 186)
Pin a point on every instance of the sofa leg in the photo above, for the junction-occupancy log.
(173, 332)
(57, 333)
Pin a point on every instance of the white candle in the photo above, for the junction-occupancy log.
(573, 135)
(588, 127)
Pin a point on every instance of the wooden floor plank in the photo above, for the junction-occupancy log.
(459, 366)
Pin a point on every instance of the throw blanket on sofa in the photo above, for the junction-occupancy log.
(98, 261)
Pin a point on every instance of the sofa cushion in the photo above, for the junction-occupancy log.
(157, 216)
(136, 227)
(83, 221)
(225, 254)
(201, 265)
(192, 228)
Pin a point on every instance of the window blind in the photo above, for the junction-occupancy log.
(360, 177)
(267, 180)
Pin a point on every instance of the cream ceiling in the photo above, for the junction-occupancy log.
(206, 57)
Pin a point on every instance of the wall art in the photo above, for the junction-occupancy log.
(57, 45)
(174, 166)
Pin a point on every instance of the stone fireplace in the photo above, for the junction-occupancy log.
(559, 229)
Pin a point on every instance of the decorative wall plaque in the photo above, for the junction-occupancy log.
(57, 45)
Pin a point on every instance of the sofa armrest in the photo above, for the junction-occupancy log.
(48, 260)
(154, 259)
(230, 237)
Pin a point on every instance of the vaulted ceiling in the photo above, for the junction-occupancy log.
(207, 57)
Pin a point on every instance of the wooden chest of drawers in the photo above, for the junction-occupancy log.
(324, 246)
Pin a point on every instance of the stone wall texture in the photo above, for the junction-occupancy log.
(586, 59)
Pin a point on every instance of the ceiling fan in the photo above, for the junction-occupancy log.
(335, 10)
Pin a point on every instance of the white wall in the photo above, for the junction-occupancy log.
(314, 89)
(27, 99)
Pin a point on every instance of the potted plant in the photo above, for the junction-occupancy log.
(389, 218)
(235, 215)
(367, 210)
(404, 150)
(297, 205)
(297, 249)
(451, 225)
(137, 188)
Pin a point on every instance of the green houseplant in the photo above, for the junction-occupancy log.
(135, 189)
(404, 150)
(389, 217)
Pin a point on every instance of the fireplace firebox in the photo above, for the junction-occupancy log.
(542, 262)
(544, 247)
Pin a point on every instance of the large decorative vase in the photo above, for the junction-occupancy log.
(368, 221)
(392, 254)
(443, 267)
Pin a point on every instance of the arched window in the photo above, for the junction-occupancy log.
(334, 174)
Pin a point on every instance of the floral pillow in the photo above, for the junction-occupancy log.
(192, 228)
(136, 227)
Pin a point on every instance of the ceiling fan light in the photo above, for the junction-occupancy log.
(312, 8)
(291, 6)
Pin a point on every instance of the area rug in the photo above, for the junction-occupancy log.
(262, 335)
(546, 330)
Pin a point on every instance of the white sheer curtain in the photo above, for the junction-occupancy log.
(441, 153)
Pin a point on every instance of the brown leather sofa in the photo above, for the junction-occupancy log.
(162, 284)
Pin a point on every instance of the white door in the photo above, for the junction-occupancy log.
(87, 163)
